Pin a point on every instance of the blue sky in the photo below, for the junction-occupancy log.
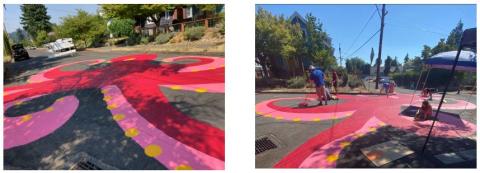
(56, 11)
(407, 27)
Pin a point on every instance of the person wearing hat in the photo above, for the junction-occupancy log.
(317, 77)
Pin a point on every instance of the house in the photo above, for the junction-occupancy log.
(181, 17)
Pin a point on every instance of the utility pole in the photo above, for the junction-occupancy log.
(379, 59)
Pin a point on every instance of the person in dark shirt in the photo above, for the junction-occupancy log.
(317, 77)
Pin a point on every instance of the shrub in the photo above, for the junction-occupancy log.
(144, 40)
(194, 33)
(121, 27)
(164, 37)
(133, 39)
(296, 82)
(354, 82)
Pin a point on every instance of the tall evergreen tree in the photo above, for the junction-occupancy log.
(406, 59)
(35, 19)
(455, 35)
(387, 65)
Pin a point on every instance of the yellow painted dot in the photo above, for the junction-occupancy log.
(118, 117)
(316, 119)
(175, 87)
(372, 129)
(279, 118)
(382, 124)
(153, 150)
(104, 91)
(344, 144)
(112, 106)
(26, 118)
(60, 99)
(131, 132)
(49, 109)
(332, 158)
(183, 167)
(268, 115)
(194, 70)
(259, 113)
(18, 103)
(201, 90)
(223, 65)
(107, 98)
(296, 119)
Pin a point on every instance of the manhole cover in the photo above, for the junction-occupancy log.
(264, 144)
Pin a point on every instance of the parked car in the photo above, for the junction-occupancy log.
(19, 52)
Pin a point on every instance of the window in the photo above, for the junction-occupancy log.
(189, 12)
(167, 15)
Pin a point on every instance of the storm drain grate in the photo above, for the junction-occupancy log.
(86, 165)
(83, 161)
(263, 144)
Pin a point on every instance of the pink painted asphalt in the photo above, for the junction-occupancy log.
(383, 108)
(51, 73)
(174, 153)
(327, 155)
(213, 63)
(28, 128)
(265, 110)
(211, 87)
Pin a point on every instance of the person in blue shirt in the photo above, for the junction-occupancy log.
(386, 86)
(317, 77)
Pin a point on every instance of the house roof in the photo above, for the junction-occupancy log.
(296, 15)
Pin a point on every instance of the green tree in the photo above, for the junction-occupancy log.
(441, 47)
(426, 52)
(84, 27)
(19, 36)
(318, 44)
(453, 39)
(139, 12)
(387, 65)
(417, 63)
(121, 27)
(356, 66)
(267, 41)
(34, 18)
(406, 59)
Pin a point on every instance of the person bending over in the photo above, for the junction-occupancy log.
(317, 77)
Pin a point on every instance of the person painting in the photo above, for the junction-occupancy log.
(335, 81)
(424, 112)
(317, 77)
(385, 87)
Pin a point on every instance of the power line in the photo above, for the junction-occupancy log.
(378, 11)
(356, 38)
(418, 28)
(364, 43)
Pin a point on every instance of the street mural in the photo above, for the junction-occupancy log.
(362, 115)
(130, 87)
